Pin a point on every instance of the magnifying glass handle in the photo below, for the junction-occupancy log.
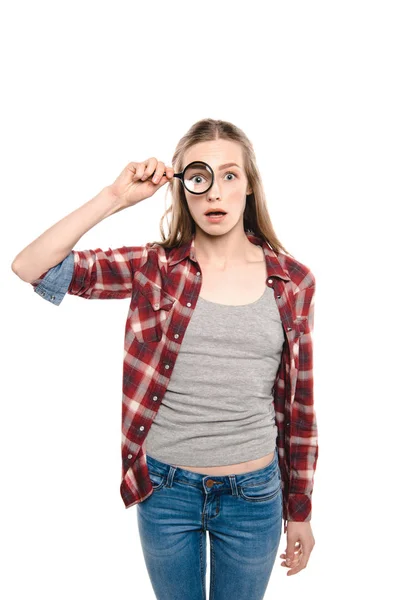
(175, 174)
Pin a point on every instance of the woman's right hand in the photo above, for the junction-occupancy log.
(136, 182)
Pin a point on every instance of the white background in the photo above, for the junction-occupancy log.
(89, 87)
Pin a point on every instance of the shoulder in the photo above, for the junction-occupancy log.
(156, 249)
(157, 254)
(299, 273)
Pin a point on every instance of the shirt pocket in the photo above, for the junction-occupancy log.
(151, 313)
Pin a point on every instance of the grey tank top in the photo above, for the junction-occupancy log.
(218, 407)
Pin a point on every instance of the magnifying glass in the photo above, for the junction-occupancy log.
(197, 177)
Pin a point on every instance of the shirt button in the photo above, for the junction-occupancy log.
(129, 455)
(156, 306)
(189, 304)
(289, 329)
(52, 297)
(141, 428)
(278, 296)
(176, 336)
(155, 397)
(167, 366)
(198, 273)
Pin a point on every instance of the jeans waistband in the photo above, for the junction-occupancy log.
(165, 469)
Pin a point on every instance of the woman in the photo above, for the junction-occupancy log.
(218, 427)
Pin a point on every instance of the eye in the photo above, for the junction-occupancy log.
(196, 177)
(230, 173)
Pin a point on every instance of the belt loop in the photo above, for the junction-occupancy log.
(170, 476)
(232, 479)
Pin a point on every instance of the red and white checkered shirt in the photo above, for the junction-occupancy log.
(163, 286)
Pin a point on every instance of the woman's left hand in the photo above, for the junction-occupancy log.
(300, 542)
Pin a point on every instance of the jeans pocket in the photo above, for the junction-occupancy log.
(157, 481)
(262, 490)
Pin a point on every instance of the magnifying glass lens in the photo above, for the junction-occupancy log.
(197, 178)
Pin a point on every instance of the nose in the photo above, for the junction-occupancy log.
(214, 191)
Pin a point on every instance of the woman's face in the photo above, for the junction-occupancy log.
(229, 188)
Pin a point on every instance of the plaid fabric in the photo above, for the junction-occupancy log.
(163, 286)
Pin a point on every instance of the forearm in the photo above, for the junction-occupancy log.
(52, 246)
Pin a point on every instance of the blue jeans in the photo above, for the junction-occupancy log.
(243, 515)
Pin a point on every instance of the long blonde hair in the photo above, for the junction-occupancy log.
(256, 217)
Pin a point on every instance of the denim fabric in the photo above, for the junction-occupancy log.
(243, 515)
(55, 283)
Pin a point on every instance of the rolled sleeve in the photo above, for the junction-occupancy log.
(54, 285)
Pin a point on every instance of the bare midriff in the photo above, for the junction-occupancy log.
(236, 469)
(235, 285)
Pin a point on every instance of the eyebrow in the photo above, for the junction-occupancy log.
(231, 164)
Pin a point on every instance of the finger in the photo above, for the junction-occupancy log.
(151, 164)
(295, 555)
(296, 567)
(290, 553)
(305, 555)
(159, 172)
(292, 561)
(292, 567)
(138, 169)
(299, 563)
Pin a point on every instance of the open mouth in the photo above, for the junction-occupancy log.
(217, 216)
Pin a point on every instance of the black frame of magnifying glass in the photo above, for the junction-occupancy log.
(181, 176)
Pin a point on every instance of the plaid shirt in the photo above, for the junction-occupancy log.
(163, 286)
